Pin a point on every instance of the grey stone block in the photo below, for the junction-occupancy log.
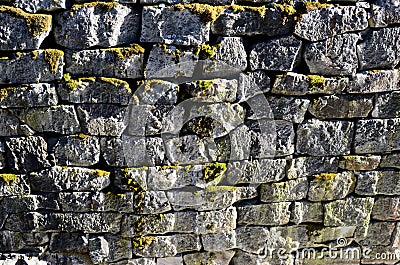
(384, 13)
(387, 105)
(308, 166)
(374, 81)
(378, 182)
(220, 241)
(31, 95)
(222, 258)
(21, 30)
(69, 242)
(35, 6)
(350, 211)
(386, 209)
(279, 54)
(264, 214)
(320, 24)
(232, 52)
(124, 62)
(331, 186)
(11, 184)
(109, 248)
(77, 150)
(101, 24)
(307, 212)
(170, 26)
(288, 108)
(292, 190)
(322, 138)
(359, 162)
(91, 222)
(334, 56)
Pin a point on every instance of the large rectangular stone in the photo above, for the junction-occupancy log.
(264, 214)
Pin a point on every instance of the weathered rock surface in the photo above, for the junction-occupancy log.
(331, 186)
(391, 160)
(386, 209)
(102, 24)
(385, 40)
(359, 162)
(280, 54)
(11, 184)
(126, 62)
(222, 258)
(17, 69)
(374, 81)
(27, 153)
(334, 56)
(252, 84)
(95, 90)
(374, 136)
(21, 30)
(34, 6)
(299, 84)
(170, 26)
(232, 52)
(378, 182)
(109, 248)
(77, 150)
(264, 214)
(59, 119)
(387, 105)
(70, 178)
(320, 24)
(291, 190)
(340, 106)
(32, 95)
(321, 138)
(308, 166)
(306, 212)
(384, 13)
(288, 108)
(350, 211)
(69, 242)
(105, 120)
(250, 22)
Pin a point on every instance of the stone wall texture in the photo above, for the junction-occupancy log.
(199, 132)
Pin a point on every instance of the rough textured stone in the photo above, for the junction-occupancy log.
(34, 6)
(17, 68)
(101, 25)
(79, 150)
(334, 56)
(10, 124)
(13, 185)
(232, 52)
(280, 54)
(28, 203)
(255, 171)
(299, 84)
(308, 166)
(331, 186)
(307, 212)
(34, 222)
(251, 238)
(75, 201)
(91, 222)
(378, 182)
(359, 162)
(60, 179)
(387, 105)
(264, 214)
(242, 257)
(27, 153)
(252, 84)
(291, 190)
(385, 40)
(350, 211)
(216, 90)
(133, 151)
(320, 24)
(177, 26)
(32, 95)
(321, 138)
(58, 119)
(22, 30)
(109, 248)
(169, 61)
(374, 81)
(288, 108)
(219, 241)
(95, 90)
(391, 160)
(222, 258)
(105, 120)
(69, 242)
(165, 246)
(386, 209)
(338, 106)
(212, 198)
(385, 13)
(154, 92)
(374, 136)
(249, 23)
(125, 62)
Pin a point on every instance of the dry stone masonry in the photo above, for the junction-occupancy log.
(214, 132)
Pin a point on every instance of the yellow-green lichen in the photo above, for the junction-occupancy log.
(73, 84)
(37, 24)
(315, 81)
(5, 91)
(103, 5)
(325, 176)
(213, 171)
(207, 13)
(126, 52)
(220, 188)
(8, 178)
(204, 85)
(206, 51)
(116, 82)
(261, 10)
(285, 9)
(142, 241)
(315, 5)
(100, 173)
(34, 55)
(53, 57)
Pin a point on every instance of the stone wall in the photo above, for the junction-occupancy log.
(161, 132)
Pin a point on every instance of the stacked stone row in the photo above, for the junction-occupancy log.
(74, 188)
